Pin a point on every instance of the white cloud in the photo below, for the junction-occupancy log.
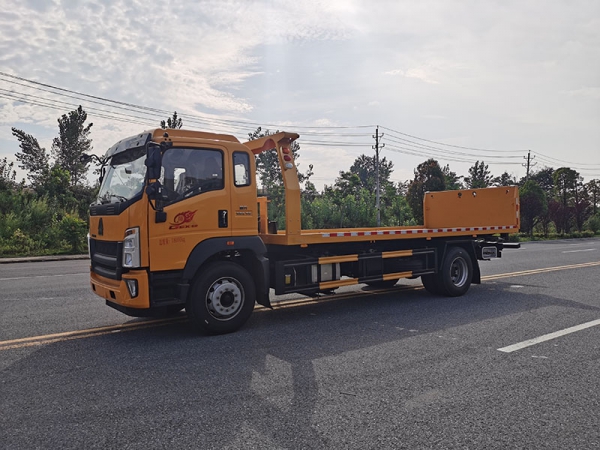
(497, 74)
(420, 73)
(587, 92)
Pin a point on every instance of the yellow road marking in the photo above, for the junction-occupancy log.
(79, 334)
(100, 331)
(536, 271)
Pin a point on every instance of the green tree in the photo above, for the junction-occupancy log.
(593, 188)
(428, 177)
(545, 179)
(365, 167)
(565, 184)
(172, 122)
(479, 176)
(32, 158)
(453, 182)
(505, 179)
(7, 175)
(72, 141)
(582, 209)
(534, 205)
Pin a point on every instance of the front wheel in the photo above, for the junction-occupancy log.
(221, 299)
(454, 278)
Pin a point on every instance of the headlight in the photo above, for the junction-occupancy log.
(131, 248)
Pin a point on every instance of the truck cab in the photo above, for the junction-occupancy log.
(158, 220)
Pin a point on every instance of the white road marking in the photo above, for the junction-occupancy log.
(576, 251)
(549, 336)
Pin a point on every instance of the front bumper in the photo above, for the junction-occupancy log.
(116, 291)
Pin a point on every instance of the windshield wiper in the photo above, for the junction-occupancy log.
(120, 197)
(107, 198)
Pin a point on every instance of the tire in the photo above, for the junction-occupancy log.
(454, 278)
(221, 299)
(384, 284)
(430, 283)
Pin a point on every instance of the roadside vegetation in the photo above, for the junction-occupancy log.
(47, 213)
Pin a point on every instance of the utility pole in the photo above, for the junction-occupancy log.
(377, 146)
(528, 165)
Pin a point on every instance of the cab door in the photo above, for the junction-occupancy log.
(244, 213)
(196, 202)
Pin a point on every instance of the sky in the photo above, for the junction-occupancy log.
(459, 81)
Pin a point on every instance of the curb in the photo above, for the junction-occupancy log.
(42, 258)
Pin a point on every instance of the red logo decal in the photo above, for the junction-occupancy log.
(181, 219)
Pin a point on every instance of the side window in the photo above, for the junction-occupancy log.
(187, 172)
(241, 169)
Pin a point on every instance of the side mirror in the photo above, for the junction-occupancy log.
(153, 160)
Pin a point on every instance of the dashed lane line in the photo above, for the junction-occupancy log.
(548, 337)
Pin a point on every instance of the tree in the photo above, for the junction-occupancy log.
(534, 205)
(428, 177)
(581, 204)
(72, 141)
(593, 188)
(545, 179)
(452, 180)
(565, 183)
(365, 167)
(172, 122)
(33, 158)
(7, 174)
(480, 176)
(505, 179)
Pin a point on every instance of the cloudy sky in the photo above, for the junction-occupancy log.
(459, 81)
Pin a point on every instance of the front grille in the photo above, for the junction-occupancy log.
(104, 210)
(107, 258)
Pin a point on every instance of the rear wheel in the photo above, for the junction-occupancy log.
(454, 278)
(221, 299)
(431, 284)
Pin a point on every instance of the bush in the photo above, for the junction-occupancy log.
(18, 244)
(73, 230)
(593, 224)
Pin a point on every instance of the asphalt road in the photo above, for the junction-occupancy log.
(364, 369)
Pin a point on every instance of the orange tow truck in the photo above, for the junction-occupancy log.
(178, 224)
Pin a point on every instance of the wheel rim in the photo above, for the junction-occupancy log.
(459, 272)
(225, 298)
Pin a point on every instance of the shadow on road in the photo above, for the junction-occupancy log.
(291, 378)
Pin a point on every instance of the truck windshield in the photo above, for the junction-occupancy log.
(124, 177)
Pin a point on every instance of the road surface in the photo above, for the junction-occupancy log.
(512, 364)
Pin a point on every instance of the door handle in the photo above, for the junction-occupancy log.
(223, 222)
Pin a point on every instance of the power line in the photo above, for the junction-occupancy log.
(451, 145)
(164, 112)
(139, 114)
(445, 152)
